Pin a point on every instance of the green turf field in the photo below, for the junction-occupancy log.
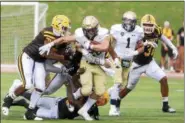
(143, 105)
(108, 13)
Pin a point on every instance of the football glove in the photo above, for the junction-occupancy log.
(46, 48)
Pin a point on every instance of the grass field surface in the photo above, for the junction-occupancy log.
(143, 105)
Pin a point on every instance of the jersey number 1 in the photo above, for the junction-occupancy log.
(128, 43)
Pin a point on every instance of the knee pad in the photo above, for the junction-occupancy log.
(86, 90)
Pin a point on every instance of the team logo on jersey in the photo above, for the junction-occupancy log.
(122, 33)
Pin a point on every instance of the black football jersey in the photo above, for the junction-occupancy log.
(147, 56)
(64, 113)
(32, 49)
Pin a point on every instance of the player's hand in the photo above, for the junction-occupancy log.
(63, 69)
(107, 63)
(175, 53)
(46, 48)
(117, 62)
(166, 48)
(153, 44)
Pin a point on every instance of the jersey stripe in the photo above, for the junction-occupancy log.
(51, 37)
(21, 71)
(48, 32)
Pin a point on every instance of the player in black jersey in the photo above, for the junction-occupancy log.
(54, 107)
(31, 63)
(144, 62)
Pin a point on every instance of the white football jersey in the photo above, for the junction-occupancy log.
(126, 41)
(81, 39)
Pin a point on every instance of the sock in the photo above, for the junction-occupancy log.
(118, 103)
(165, 101)
(77, 94)
(35, 96)
(88, 104)
(114, 94)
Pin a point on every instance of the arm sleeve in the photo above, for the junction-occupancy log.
(51, 68)
(167, 42)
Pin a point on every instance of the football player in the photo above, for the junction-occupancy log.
(144, 62)
(125, 38)
(91, 33)
(31, 63)
(58, 108)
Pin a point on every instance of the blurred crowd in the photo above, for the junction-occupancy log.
(167, 61)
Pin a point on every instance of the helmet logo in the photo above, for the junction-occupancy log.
(122, 33)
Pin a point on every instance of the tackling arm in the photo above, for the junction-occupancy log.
(102, 46)
(167, 42)
(51, 68)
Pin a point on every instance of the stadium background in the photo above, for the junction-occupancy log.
(143, 105)
(109, 13)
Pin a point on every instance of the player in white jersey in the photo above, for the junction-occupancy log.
(126, 37)
(88, 37)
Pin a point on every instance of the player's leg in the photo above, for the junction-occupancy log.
(57, 81)
(25, 65)
(39, 82)
(99, 89)
(133, 78)
(157, 73)
(85, 80)
(86, 90)
(120, 81)
(114, 92)
(48, 107)
(125, 75)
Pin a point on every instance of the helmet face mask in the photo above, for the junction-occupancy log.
(148, 24)
(90, 27)
(128, 24)
(129, 21)
(61, 24)
(90, 33)
(148, 28)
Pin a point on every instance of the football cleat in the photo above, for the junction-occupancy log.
(113, 111)
(31, 115)
(7, 101)
(5, 111)
(168, 109)
(85, 115)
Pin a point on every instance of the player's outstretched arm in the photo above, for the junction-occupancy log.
(101, 46)
(46, 48)
(169, 43)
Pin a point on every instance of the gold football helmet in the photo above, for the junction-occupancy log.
(90, 26)
(103, 99)
(61, 24)
(148, 23)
